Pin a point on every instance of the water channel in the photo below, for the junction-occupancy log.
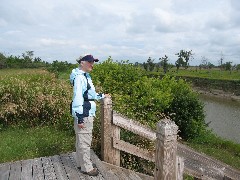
(224, 116)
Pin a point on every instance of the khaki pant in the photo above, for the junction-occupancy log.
(83, 144)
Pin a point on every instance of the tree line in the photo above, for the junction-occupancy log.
(183, 58)
(27, 60)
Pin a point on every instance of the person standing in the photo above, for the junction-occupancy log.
(83, 110)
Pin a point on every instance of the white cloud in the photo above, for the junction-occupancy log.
(131, 30)
(53, 42)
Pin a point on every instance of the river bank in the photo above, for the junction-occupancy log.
(217, 93)
(222, 116)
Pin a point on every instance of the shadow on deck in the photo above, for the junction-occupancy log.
(63, 167)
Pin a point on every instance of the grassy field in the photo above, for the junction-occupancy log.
(24, 143)
(27, 143)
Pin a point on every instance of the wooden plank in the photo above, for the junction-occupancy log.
(72, 156)
(59, 168)
(4, 171)
(123, 173)
(15, 171)
(144, 176)
(134, 176)
(126, 174)
(26, 173)
(37, 169)
(72, 172)
(48, 169)
(132, 149)
(119, 174)
(180, 167)
(106, 174)
(134, 126)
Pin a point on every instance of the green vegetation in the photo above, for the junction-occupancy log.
(34, 115)
(33, 98)
(34, 109)
(27, 60)
(149, 99)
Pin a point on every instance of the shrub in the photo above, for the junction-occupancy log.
(150, 99)
(34, 98)
(187, 111)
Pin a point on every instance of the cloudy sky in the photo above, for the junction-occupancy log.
(126, 30)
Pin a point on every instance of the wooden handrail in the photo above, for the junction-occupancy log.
(166, 161)
(133, 126)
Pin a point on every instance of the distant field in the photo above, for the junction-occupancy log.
(12, 72)
(214, 73)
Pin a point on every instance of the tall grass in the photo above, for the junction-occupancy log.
(33, 98)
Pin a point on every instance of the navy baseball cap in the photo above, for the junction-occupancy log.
(88, 58)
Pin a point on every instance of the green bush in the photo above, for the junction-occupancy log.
(187, 111)
(150, 99)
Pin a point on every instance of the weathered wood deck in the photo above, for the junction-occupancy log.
(63, 167)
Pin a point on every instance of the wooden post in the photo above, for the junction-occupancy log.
(108, 131)
(166, 150)
(180, 167)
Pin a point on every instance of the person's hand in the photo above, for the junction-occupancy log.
(81, 125)
(107, 95)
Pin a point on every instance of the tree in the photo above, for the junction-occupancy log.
(221, 61)
(238, 67)
(2, 61)
(26, 61)
(205, 63)
(28, 55)
(136, 64)
(149, 66)
(164, 63)
(183, 59)
(228, 66)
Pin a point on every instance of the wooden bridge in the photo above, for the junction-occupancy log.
(171, 158)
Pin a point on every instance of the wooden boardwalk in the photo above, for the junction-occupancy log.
(63, 167)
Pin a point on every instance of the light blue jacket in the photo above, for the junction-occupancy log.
(84, 94)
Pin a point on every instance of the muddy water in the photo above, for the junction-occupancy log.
(224, 116)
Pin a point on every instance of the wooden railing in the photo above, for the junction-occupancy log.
(167, 165)
(171, 158)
